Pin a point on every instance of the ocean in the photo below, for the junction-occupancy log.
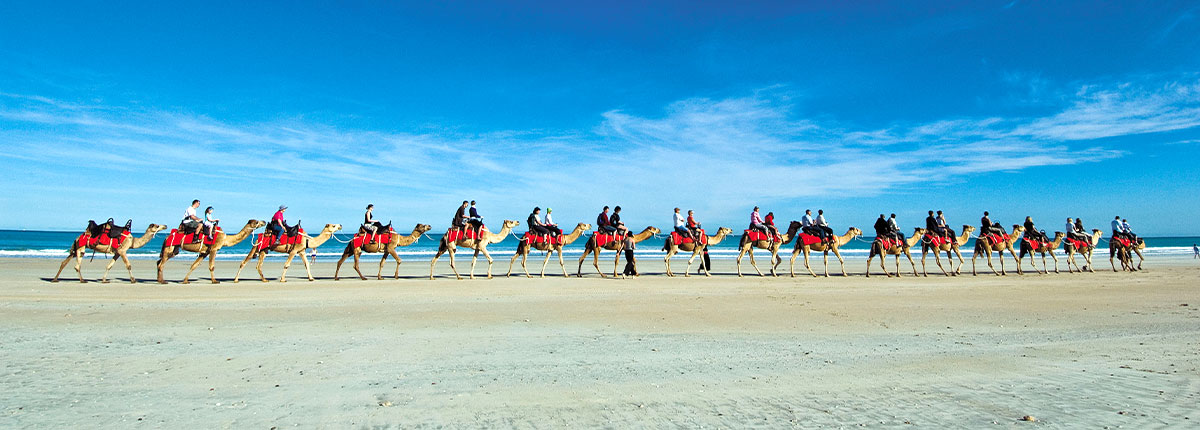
(54, 244)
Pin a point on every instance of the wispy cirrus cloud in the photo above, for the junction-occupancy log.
(740, 150)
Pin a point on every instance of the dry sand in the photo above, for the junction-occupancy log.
(1075, 351)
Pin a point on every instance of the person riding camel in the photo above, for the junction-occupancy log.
(550, 225)
(1080, 230)
(190, 221)
(822, 227)
(693, 225)
(475, 219)
(769, 221)
(941, 223)
(1128, 230)
(460, 217)
(369, 225)
(894, 230)
(756, 223)
(931, 225)
(615, 222)
(1074, 230)
(986, 226)
(603, 223)
(680, 225)
(881, 227)
(807, 223)
(210, 223)
(535, 224)
(1032, 232)
(278, 225)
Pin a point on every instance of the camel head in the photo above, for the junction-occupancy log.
(422, 228)
(255, 224)
(855, 232)
(795, 225)
(724, 230)
(331, 228)
(1059, 235)
(510, 224)
(919, 231)
(583, 226)
(652, 229)
(155, 228)
(1018, 229)
(968, 228)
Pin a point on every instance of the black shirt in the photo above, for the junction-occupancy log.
(881, 227)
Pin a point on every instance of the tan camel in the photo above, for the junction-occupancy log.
(524, 248)
(479, 245)
(947, 247)
(1043, 250)
(1086, 251)
(877, 249)
(220, 240)
(301, 249)
(121, 252)
(615, 245)
(986, 247)
(746, 246)
(824, 249)
(1125, 254)
(388, 250)
(692, 247)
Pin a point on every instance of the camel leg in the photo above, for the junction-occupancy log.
(163, 256)
(586, 251)
(754, 264)
(1053, 257)
(775, 261)
(870, 255)
(596, 261)
(195, 264)
(1087, 258)
(490, 261)
(897, 260)
(261, 256)
(924, 253)
(1111, 252)
(379, 270)
(961, 262)
(65, 261)
(338, 269)
(687, 273)
(238, 276)
(792, 262)
(1141, 259)
(562, 265)
(513, 261)
(104, 279)
(739, 261)
(667, 262)
(212, 266)
(128, 267)
(433, 261)
(841, 261)
(287, 263)
(1013, 254)
(546, 261)
(307, 269)
(356, 255)
(883, 262)
(807, 264)
(911, 262)
(474, 258)
(450, 254)
(617, 264)
(79, 264)
(825, 256)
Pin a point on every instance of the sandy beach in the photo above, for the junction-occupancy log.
(1098, 350)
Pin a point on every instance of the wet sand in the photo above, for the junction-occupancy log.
(1074, 351)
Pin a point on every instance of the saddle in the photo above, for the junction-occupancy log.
(532, 238)
(757, 236)
(1077, 244)
(809, 239)
(464, 233)
(110, 226)
(603, 238)
(680, 240)
(380, 228)
(936, 240)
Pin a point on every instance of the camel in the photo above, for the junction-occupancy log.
(1125, 254)
(121, 252)
(388, 250)
(824, 249)
(947, 247)
(986, 247)
(220, 240)
(479, 245)
(877, 249)
(673, 249)
(1069, 248)
(1044, 249)
(310, 242)
(746, 246)
(615, 245)
(524, 248)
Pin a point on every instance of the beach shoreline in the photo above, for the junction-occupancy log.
(1079, 350)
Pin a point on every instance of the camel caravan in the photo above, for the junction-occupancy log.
(200, 234)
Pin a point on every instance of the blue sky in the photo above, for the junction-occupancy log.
(1049, 109)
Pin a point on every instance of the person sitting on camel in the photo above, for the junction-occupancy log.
(210, 223)
(756, 223)
(822, 227)
(986, 226)
(191, 222)
(894, 231)
(370, 226)
(460, 217)
(535, 224)
(475, 219)
(603, 223)
(694, 226)
(550, 225)
(769, 221)
(1032, 232)
(278, 225)
(680, 225)
(615, 222)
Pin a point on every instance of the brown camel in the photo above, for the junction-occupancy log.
(986, 247)
(388, 250)
(1043, 250)
(1086, 251)
(524, 248)
(746, 246)
(947, 247)
(1125, 254)
(615, 245)
(878, 249)
(310, 242)
(479, 245)
(220, 240)
(121, 252)
(692, 247)
(824, 249)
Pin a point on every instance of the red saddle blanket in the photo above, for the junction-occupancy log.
(531, 238)
(366, 239)
(1078, 244)
(466, 234)
(605, 238)
(103, 239)
(890, 242)
(995, 238)
(1037, 244)
(756, 236)
(266, 240)
(936, 241)
(680, 240)
(1124, 241)
(808, 239)
(175, 238)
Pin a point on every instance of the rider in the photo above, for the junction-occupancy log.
(894, 229)
(475, 220)
(1128, 231)
(988, 227)
(460, 217)
(1032, 232)
(278, 224)
(535, 224)
(769, 221)
(680, 225)
(826, 233)
(603, 224)
(881, 227)
(693, 225)
(615, 222)
(190, 221)
(806, 223)
(756, 223)
(369, 224)
(550, 225)
(931, 225)
(210, 223)
(1075, 230)
(941, 223)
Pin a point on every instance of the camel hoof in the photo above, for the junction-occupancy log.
(104, 281)
(55, 281)
(216, 282)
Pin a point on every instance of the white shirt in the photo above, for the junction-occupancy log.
(1125, 227)
(189, 213)
(1070, 228)
(806, 221)
(821, 221)
(892, 224)
(940, 220)
(679, 221)
(548, 221)
(1116, 226)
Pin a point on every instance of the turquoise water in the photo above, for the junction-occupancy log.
(54, 244)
